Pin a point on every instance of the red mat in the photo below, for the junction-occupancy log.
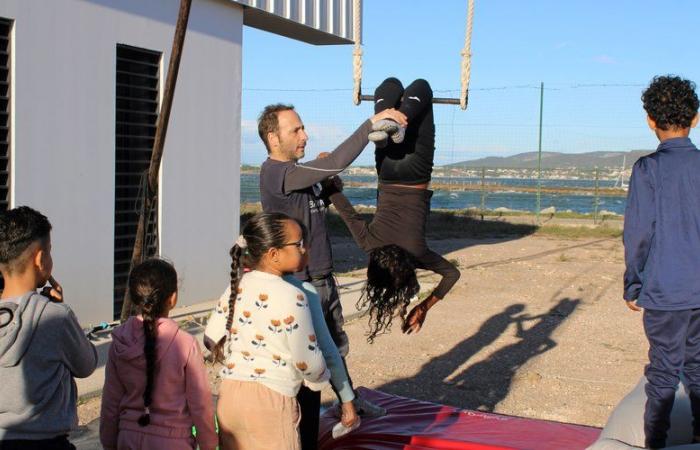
(417, 425)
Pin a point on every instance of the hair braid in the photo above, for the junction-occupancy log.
(151, 284)
(150, 332)
(236, 269)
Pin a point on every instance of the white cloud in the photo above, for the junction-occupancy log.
(605, 59)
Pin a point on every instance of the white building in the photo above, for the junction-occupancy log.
(80, 86)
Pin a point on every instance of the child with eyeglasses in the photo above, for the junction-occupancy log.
(263, 333)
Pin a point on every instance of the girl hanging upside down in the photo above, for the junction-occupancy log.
(395, 238)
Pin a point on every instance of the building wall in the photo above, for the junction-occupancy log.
(64, 145)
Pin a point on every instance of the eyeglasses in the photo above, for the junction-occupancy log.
(298, 244)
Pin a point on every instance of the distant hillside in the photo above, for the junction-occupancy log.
(554, 160)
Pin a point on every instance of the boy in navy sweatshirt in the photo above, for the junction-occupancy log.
(662, 252)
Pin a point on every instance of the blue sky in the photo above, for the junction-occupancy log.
(594, 57)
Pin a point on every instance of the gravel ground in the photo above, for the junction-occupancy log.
(536, 327)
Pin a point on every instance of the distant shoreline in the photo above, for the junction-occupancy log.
(491, 187)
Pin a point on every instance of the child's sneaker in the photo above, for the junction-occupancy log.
(380, 138)
(399, 135)
(395, 131)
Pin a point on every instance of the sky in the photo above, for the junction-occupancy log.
(594, 57)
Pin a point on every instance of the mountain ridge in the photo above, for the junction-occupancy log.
(556, 160)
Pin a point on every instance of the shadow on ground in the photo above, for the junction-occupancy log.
(451, 380)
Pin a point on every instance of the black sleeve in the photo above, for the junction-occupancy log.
(353, 220)
(301, 176)
(436, 263)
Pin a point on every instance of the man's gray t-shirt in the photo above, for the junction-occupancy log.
(304, 205)
(291, 188)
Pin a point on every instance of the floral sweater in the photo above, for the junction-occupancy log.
(272, 339)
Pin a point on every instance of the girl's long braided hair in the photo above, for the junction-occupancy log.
(151, 284)
(261, 233)
(391, 284)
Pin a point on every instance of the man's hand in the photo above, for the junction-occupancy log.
(391, 114)
(632, 304)
(54, 292)
(348, 415)
(323, 155)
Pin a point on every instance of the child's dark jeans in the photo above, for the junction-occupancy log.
(674, 346)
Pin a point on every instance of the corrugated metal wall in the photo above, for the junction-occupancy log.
(334, 17)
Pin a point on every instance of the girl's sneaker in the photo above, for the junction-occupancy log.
(380, 138)
(392, 129)
(341, 430)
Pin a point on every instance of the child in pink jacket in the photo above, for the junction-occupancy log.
(156, 385)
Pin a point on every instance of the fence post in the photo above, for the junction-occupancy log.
(595, 201)
(483, 191)
(539, 156)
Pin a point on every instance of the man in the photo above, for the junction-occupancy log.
(294, 189)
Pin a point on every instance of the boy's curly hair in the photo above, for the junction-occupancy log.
(391, 284)
(671, 102)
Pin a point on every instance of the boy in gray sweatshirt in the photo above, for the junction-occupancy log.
(42, 346)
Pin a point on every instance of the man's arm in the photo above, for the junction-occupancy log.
(301, 176)
(639, 227)
(304, 175)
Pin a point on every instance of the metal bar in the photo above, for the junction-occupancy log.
(596, 201)
(154, 65)
(135, 99)
(438, 100)
(539, 155)
(148, 76)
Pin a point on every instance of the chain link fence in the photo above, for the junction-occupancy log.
(475, 168)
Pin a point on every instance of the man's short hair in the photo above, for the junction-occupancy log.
(268, 123)
(671, 102)
(20, 228)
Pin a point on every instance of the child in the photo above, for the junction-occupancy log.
(265, 333)
(662, 252)
(156, 385)
(42, 346)
(395, 239)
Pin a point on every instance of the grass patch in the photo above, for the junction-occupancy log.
(569, 232)
(461, 224)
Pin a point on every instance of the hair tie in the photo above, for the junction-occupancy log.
(241, 242)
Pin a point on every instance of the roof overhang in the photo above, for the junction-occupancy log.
(318, 22)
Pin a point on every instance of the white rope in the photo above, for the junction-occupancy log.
(467, 56)
(357, 52)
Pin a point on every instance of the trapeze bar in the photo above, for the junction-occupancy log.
(440, 100)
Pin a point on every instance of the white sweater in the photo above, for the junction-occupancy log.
(272, 339)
